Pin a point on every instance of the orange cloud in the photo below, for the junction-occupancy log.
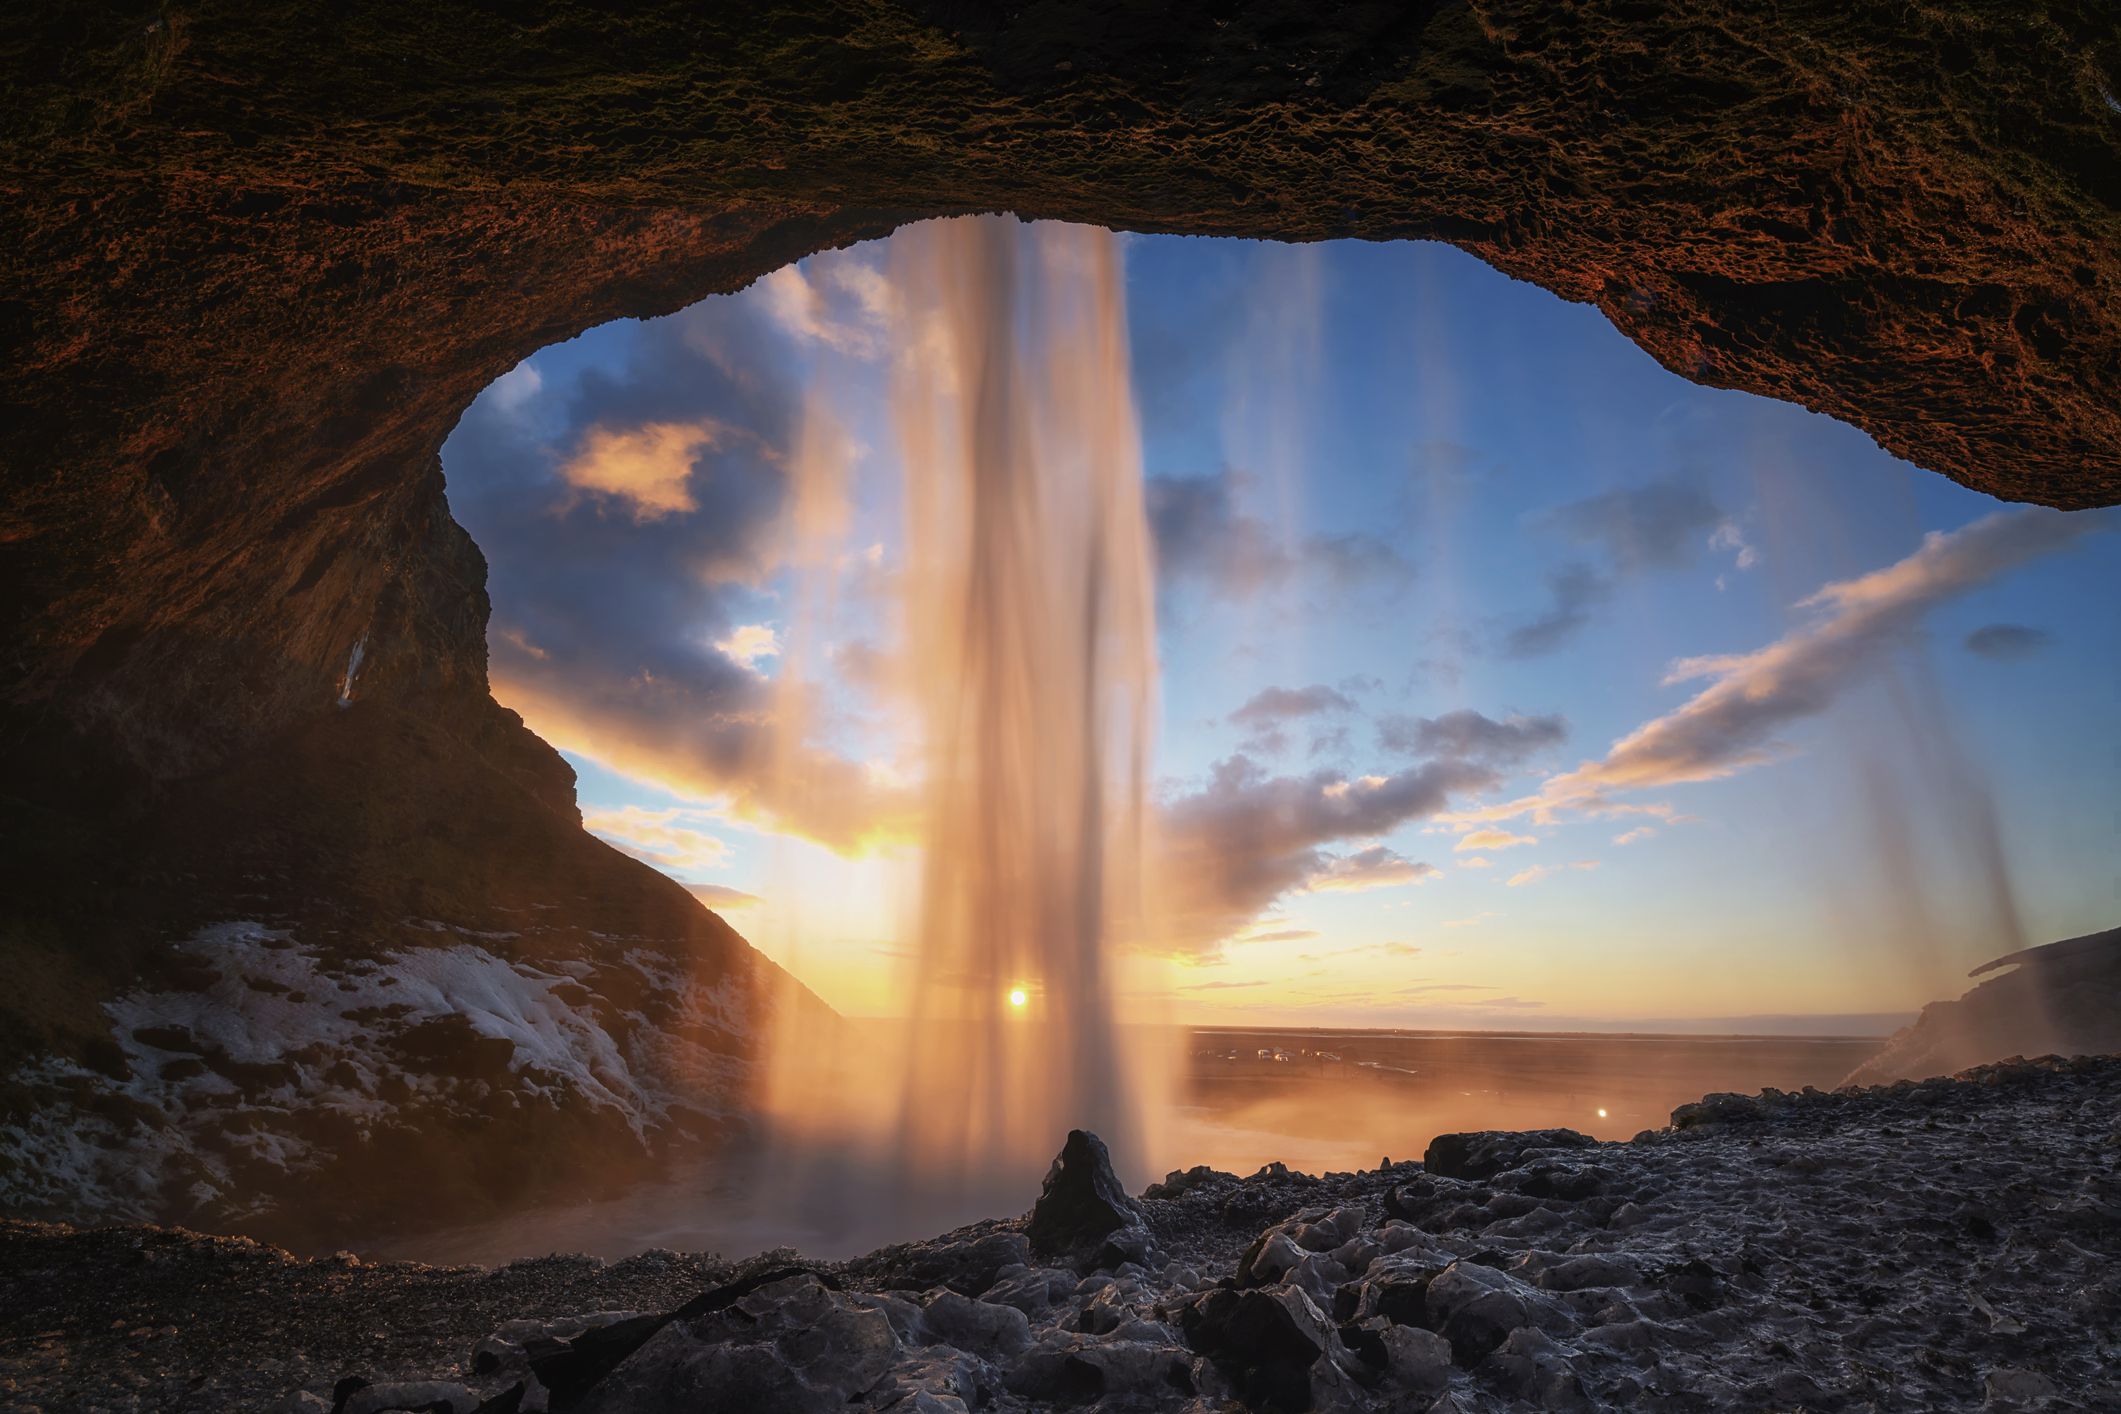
(1491, 839)
(649, 467)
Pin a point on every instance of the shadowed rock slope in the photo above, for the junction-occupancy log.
(260, 257)
(2063, 998)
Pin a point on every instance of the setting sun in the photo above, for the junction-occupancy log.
(1018, 996)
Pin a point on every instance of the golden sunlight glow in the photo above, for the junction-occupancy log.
(1018, 997)
(1601, 1112)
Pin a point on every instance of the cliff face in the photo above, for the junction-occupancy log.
(2061, 999)
(260, 258)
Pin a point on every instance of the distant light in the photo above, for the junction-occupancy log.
(1601, 1114)
(1018, 997)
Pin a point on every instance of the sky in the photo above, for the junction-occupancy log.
(1506, 679)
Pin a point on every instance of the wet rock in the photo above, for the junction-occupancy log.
(1484, 1153)
(1092, 1370)
(1725, 1108)
(1082, 1203)
(969, 1267)
(1264, 1342)
(985, 1328)
(422, 1396)
(793, 1345)
(1419, 1360)
(1030, 1289)
(510, 1348)
(1179, 1183)
(1531, 1366)
(1475, 1308)
(2009, 1388)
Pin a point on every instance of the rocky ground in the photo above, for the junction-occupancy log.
(1944, 1244)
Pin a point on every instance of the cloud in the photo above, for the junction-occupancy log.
(1731, 725)
(1728, 536)
(844, 308)
(1636, 835)
(605, 626)
(1657, 525)
(1265, 714)
(1470, 735)
(514, 391)
(2001, 641)
(720, 896)
(659, 837)
(1374, 868)
(1283, 935)
(1491, 839)
(1280, 704)
(648, 466)
(1472, 922)
(1476, 862)
(1231, 848)
(1541, 871)
(1205, 536)
(747, 643)
(1575, 589)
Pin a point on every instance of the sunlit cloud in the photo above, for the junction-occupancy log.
(659, 837)
(1731, 725)
(1247, 838)
(807, 309)
(1476, 862)
(648, 467)
(1282, 935)
(747, 643)
(646, 731)
(1545, 871)
(1374, 868)
(1636, 835)
(1492, 839)
(721, 897)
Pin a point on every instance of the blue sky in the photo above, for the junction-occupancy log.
(1388, 485)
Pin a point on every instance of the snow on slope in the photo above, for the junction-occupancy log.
(288, 1050)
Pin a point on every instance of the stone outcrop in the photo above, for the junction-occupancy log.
(1082, 1207)
(2060, 999)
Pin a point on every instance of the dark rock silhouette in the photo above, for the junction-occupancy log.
(1083, 1205)
(2060, 999)
(1485, 1153)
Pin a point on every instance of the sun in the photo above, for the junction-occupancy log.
(1018, 996)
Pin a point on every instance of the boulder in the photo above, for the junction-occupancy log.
(791, 1347)
(1475, 1307)
(1482, 1154)
(1082, 1203)
(1264, 1342)
(984, 1328)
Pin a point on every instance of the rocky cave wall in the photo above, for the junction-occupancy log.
(260, 257)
